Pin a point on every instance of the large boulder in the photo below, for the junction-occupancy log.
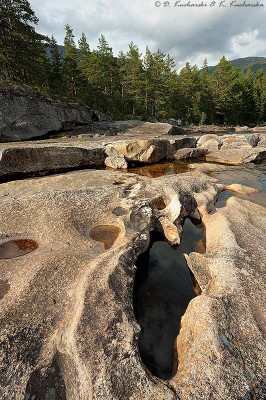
(157, 129)
(236, 141)
(253, 139)
(205, 138)
(210, 142)
(144, 151)
(187, 153)
(114, 159)
(24, 114)
(262, 140)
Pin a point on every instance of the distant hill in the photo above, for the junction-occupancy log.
(243, 63)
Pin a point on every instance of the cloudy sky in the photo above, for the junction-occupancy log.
(189, 34)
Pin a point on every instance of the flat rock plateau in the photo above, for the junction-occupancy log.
(71, 232)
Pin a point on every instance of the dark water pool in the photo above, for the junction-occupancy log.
(253, 175)
(162, 291)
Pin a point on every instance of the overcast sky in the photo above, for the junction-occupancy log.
(188, 34)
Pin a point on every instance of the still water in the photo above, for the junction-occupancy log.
(162, 291)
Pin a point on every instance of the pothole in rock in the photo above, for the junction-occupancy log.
(4, 288)
(16, 248)
(46, 385)
(106, 234)
(160, 203)
(120, 211)
(162, 291)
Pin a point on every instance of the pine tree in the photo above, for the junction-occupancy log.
(22, 55)
(55, 74)
(107, 65)
(206, 95)
(149, 78)
(260, 95)
(189, 94)
(83, 54)
(248, 99)
(133, 80)
(227, 93)
(71, 73)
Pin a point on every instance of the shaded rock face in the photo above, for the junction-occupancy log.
(38, 158)
(99, 116)
(68, 329)
(24, 115)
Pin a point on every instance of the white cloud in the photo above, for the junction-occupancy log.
(187, 33)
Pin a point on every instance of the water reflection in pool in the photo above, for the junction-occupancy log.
(163, 289)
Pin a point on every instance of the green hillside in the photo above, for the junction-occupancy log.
(243, 63)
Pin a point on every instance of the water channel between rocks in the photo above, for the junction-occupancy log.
(162, 291)
(164, 285)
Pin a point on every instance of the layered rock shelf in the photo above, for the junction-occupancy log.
(130, 149)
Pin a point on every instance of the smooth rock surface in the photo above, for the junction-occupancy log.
(70, 300)
(231, 308)
(67, 305)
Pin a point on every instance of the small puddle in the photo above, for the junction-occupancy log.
(163, 289)
(106, 234)
(156, 170)
(16, 248)
(223, 197)
(120, 211)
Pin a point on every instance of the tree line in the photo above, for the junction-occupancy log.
(130, 85)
